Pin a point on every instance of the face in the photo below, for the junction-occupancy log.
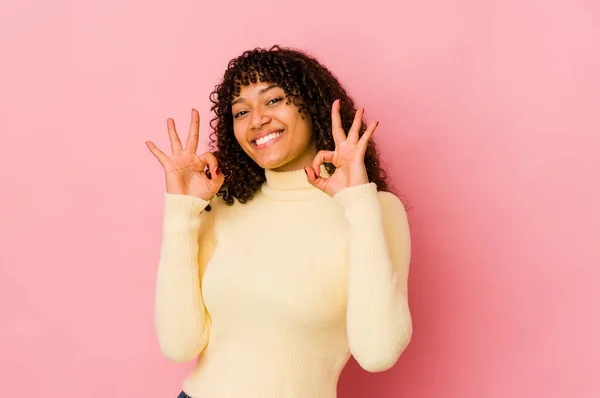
(272, 132)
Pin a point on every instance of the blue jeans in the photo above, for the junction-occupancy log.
(183, 395)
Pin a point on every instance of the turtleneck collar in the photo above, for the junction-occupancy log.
(291, 186)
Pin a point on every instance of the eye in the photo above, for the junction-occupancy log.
(275, 99)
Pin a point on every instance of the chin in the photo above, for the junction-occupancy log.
(271, 165)
(270, 162)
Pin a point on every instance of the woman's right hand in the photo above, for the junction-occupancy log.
(185, 172)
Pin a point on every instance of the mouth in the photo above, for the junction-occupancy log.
(267, 140)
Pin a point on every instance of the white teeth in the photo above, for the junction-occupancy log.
(268, 138)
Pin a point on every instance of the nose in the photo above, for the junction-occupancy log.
(259, 119)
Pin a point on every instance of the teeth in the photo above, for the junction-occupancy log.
(267, 138)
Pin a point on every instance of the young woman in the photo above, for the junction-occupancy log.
(284, 251)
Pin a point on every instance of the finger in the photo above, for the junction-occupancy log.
(322, 157)
(315, 180)
(339, 135)
(364, 140)
(162, 158)
(174, 138)
(192, 141)
(210, 160)
(356, 125)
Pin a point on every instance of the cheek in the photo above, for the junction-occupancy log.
(306, 127)
(239, 136)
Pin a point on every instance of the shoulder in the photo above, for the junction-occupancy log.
(217, 206)
(219, 209)
(389, 199)
(391, 205)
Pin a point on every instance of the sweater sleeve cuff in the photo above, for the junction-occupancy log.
(182, 212)
(358, 200)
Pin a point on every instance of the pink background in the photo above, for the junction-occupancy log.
(489, 124)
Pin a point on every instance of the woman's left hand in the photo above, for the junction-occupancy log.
(348, 156)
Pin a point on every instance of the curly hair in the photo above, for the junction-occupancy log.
(309, 85)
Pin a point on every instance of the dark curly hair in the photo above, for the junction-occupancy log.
(311, 87)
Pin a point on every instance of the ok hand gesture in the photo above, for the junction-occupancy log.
(185, 172)
(348, 156)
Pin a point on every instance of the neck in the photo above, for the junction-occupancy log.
(304, 159)
(291, 185)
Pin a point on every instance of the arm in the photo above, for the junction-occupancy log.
(379, 323)
(180, 318)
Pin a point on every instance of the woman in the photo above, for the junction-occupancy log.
(302, 261)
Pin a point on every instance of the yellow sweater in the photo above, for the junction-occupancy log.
(274, 295)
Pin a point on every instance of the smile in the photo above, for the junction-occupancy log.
(267, 140)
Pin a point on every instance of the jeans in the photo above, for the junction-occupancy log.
(183, 395)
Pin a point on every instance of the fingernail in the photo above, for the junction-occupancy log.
(217, 171)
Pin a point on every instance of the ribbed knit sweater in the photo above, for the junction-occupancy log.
(273, 296)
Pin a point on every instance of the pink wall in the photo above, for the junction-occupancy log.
(489, 122)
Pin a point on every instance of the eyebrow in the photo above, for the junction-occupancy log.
(261, 92)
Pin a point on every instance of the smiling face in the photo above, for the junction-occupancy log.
(270, 130)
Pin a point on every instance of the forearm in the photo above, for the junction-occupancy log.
(378, 318)
(181, 321)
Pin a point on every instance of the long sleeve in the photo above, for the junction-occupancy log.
(180, 318)
(379, 323)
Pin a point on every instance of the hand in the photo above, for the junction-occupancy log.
(348, 156)
(185, 172)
